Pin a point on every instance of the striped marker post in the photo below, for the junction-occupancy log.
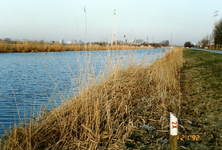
(173, 131)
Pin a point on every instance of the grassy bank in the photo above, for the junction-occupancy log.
(31, 46)
(201, 85)
(110, 114)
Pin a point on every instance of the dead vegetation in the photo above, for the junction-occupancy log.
(109, 114)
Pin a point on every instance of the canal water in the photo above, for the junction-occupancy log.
(30, 82)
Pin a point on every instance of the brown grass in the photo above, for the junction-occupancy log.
(201, 80)
(104, 115)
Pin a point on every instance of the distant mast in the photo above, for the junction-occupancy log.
(114, 29)
(86, 26)
(216, 14)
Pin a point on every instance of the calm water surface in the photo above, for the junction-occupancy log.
(31, 80)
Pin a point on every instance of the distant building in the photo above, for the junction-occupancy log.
(61, 41)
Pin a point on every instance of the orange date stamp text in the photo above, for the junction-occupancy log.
(188, 137)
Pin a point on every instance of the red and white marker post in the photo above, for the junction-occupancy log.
(173, 131)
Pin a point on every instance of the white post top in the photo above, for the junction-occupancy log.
(173, 124)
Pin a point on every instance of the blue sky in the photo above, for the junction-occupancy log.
(185, 20)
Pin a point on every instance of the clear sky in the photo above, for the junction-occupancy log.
(185, 20)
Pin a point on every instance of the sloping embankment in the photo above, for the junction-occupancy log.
(201, 85)
(105, 114)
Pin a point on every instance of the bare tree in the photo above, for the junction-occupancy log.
(8, 40)
(217, 34)
(138, 41)
(165, 43)
(205, 41)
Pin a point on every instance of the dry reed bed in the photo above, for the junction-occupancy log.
(104, 115)
(28, 46)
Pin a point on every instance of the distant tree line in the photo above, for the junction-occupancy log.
(10, 41)
(136, 42)
(213, 41)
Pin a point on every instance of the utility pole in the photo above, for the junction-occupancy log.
(215, 15)
(124, 39)
(114, 29)
(78, 31)
(86, 26)
(171, 39)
